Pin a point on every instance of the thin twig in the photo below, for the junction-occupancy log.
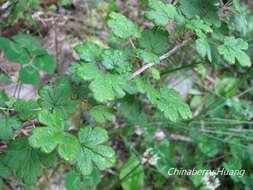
(178, 137)
(132, 43)
(161, 58)
(214, 159)
(56, 41)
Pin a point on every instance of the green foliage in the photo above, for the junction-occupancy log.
(122, 107)
(116, 59)
(48, 138)
(72, 181)
(6, 127)
(107, 87)
(27, 51)
(232, 49)
(58, 98)
(155, 41)
(101, 113)
(93, 151)
(122, 27)
(161, 13)
(132, 174)
(166, 100)
(27, 162)
(89, 52)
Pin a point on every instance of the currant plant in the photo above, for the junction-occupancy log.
(76, 119)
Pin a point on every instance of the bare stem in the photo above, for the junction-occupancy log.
(161, 58)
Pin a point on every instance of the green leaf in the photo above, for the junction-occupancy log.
(233, 49)
(30, 43)
(132, 174)
(51, 119)
(161, 13)
(156, 41)
(207, 146)
(6, 125)
(6, 132)
(69, 148)
(203, 48)
(155, 73)
(1, 184)
(46, 63)
(122, 27)
(3, 98)
(172, 106)
(66, 2)
(116, 59)
(93, 151)
(107, 87)
(88, 71)
(144, 87)
(46, 138)
(196, 8)
(72, 181)
(101, 114)
(167, 159)
(29, 75)
(26, 109)
(191, 9)
(58, 98)
(166, 100)
(93, 179)
(13, 52)
(26, 161)
(148, 57)
(89, 52)
(199, 26)
(5, 171)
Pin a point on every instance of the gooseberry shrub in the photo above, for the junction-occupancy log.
(116, 87)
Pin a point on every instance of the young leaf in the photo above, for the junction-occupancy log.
(101, 113)
(46, 138)
(116, 59)
(148, 57)
(200, 27)
(203, 48)
(55, 119)
(25, 108)
(26, 161)
(93, 150)
(88, 71)
(72, 181)
(172, 106)
(46, 63)
(122, 27)
(156, 41)
(69, 148)
(132, 174)
(30, 43)
(6, 125)
(89, 52)
(166, 100)
(107, 87)
(58, 98)
(93, 179)
(196, 8)
(13, 52)
(29, 75)
(161, 13)
(5, 171)
(233, 49)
